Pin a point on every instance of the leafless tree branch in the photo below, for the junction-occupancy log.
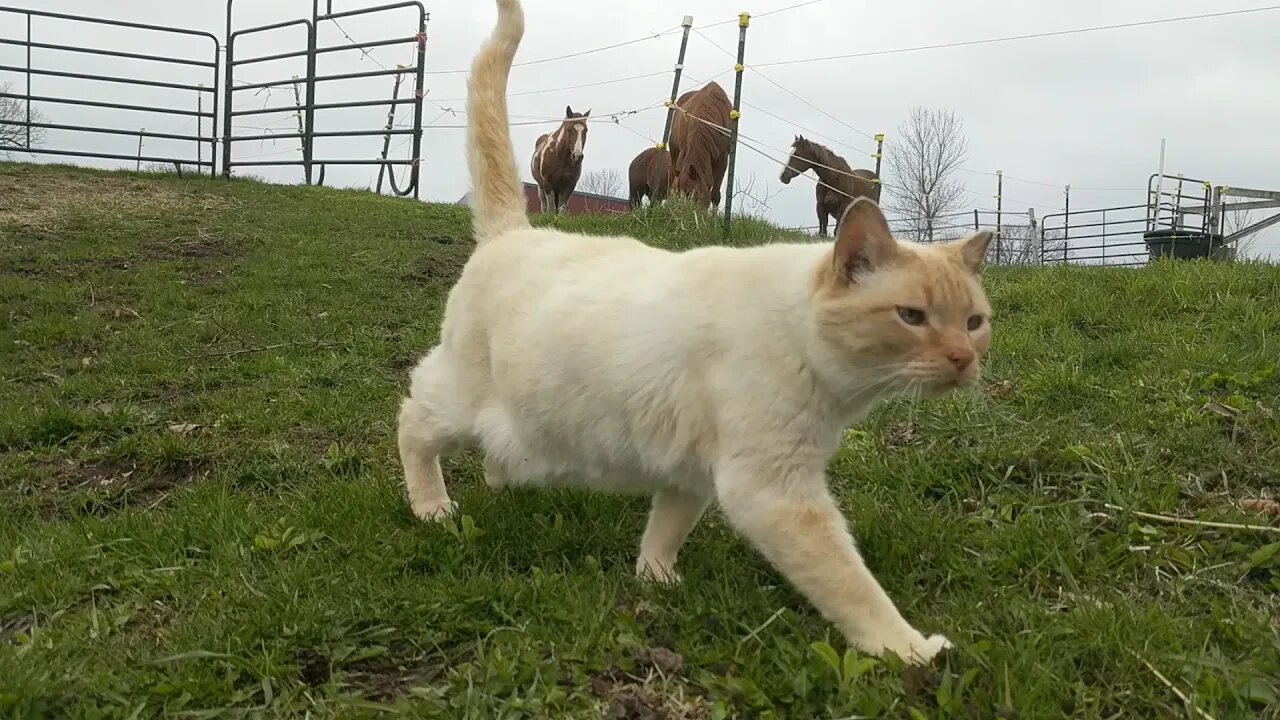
(924, 162)
(607, 182)
(15, 110)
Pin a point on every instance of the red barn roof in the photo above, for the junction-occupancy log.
(579, 203)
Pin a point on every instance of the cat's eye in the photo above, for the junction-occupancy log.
(975, 322)
(911, 316)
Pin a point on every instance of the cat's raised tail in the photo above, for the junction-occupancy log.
(497, 200)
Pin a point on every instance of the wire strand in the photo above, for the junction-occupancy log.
(651, 36)
(783, 88)
(573, 87)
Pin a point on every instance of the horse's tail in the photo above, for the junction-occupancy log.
(497, 200)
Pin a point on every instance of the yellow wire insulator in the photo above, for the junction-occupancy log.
(667, 102)
(734, 114)
(739, 67)
(661, 146)
(744, 19)
(879, 137)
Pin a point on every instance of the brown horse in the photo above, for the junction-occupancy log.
(833, 171)
(700, 143)
(650, 175)
(557, 161)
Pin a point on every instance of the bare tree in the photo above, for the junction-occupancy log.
(749, 201)
(607, 182)
(1024, 245)
(923, 163)
(14, 110)
(1233, 221)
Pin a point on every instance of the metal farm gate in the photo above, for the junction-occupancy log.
(307, 108)
(202, 108)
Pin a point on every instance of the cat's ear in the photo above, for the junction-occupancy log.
(973, 250)
(863, 239)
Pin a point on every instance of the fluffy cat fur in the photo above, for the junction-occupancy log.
(717, 374)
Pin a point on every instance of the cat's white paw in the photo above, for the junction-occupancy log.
(912, 647)
(925, 652)
(435, 510)
(657, 571)
(916, 649)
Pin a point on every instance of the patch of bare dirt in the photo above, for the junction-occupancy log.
(204, 246)
(45, 201)
(101, 488)
(442, 269)
(14, 625)
(654, 690)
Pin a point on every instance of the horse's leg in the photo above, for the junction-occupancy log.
(822, 219)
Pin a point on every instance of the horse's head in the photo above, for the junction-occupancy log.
(799, 161)
(574, 128)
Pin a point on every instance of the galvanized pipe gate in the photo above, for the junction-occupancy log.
(211, 104)
(308, 108)
(21, 142)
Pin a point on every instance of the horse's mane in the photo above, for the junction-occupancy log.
(701, 139)
(848, 179)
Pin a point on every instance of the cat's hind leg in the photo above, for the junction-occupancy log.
(433, 420)
(672, 517)
(795, 524)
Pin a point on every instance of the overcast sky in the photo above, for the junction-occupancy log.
(1087, 110)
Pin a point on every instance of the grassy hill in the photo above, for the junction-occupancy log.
(201, 512)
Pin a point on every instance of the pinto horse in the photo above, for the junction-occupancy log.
(833, 171)
(700, 143)
(650, 176)
(557, 161)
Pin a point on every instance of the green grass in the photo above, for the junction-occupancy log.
(201, 512)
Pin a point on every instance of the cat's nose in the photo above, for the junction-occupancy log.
(960, 357)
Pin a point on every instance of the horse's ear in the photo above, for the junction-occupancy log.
(864, 241)
(568, 111)
(587, 113)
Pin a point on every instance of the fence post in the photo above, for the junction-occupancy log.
(1176, 215)
(1032, 235)
(228, 67)
(879, 156)
(311, 99)
(744, 21)
(687, 24)
(140, 132)
(28, 81)
(302, 128)
(975, 219)
(200, 127)
(391, 120)
(419, 92)
(1066, 222)
(999, 213)
(1104, 236)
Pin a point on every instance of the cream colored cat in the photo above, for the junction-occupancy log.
(719, 373)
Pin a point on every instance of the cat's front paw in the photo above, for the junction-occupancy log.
(918, 650)
(657, 571)
(913, 648)
(434, 510)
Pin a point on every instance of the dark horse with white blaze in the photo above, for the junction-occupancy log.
(840, 184)
(700, 143)
(650, 175)
(557, 160)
